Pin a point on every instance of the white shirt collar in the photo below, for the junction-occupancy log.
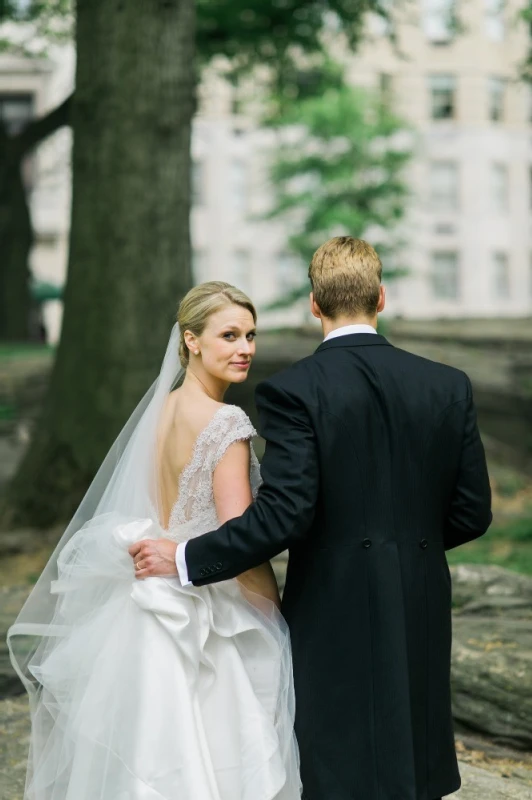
(347, 329)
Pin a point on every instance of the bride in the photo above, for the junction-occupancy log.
(140, 689)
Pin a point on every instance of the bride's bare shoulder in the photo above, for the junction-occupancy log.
(194, 412)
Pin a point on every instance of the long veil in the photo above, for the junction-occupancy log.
(123, 492)
(144, 690)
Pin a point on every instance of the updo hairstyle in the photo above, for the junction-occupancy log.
(200, 303)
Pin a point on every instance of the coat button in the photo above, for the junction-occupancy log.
(423, 544)
(366, 542)
(203, 571)
(218, 565)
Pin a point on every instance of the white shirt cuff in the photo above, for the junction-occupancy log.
(181, 564)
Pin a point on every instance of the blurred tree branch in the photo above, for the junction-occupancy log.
(39, 129)
(16, 234)
(526, 67)
(338, 169)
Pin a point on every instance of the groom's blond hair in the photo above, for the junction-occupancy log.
(345, 275)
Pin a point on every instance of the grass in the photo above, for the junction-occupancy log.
(506, 544)
(23, 350)
(7, 412)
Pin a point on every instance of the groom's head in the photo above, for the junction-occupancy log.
(345, 275)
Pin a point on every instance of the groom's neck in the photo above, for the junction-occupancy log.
(329, 325)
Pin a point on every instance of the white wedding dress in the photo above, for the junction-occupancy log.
(152, 691)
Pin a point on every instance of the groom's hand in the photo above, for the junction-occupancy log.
(153, 558)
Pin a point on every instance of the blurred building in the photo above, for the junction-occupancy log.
(468, 231)
(456, 80)
(230, 198)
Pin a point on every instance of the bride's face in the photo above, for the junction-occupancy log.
(227, 345)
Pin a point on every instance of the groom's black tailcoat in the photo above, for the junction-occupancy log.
(373, 468)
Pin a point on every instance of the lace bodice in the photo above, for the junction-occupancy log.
(194, 511)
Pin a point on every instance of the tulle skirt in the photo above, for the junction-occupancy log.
(148, 691)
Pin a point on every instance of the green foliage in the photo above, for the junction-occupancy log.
(269, 32)
(7, 412)
(526, 67)
(260, 32)
(507, 544)
(339, 169)
(518, 529)
(507, 481)
(41, 291)
(40, 22)
(31, 10)
(18, 352)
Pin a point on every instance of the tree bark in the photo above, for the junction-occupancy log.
(16, 232)
(16, 238)
(129, 247)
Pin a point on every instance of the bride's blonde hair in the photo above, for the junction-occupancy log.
(200, 303)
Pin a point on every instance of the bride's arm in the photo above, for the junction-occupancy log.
(232, 495)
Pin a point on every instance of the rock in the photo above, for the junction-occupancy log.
(492, 652)
(477, 784)
(491, 591)
(28, 540)
(492, 677)
(14, 743)
(480, 784)
(11, 601)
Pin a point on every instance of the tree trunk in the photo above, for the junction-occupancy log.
(129, 249)
(16, 238)
(16, 232)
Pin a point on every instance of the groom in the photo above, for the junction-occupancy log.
(373, 469)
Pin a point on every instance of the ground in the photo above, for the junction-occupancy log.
(485, 776)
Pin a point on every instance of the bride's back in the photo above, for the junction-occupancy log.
(181, 422)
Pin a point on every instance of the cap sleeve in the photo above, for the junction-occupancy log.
(235, 427)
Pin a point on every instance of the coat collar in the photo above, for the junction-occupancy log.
(354, 340)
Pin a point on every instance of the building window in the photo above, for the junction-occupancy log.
(238, 185)
(198, 182)
(496, 93)
(444, 229)
(385, 88)
(242, 270)
(438, 20)
(442, 96)
(237, 105)
(499, 187)
(501, 276)
(445, 275)
(494, 19)
(16, 110)
(444, 185)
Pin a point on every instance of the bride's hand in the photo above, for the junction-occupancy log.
(154, 558)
